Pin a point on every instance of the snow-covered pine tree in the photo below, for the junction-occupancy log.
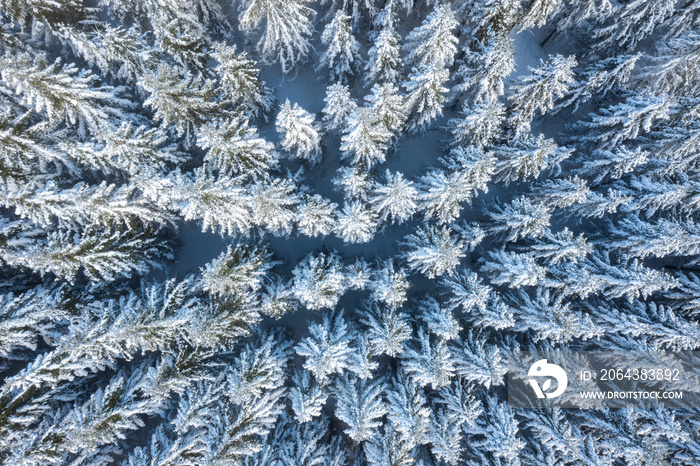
(185, 104)
(388, 329)
(339, 106)
(286, 28)
(439, 319)
(62, 93)
(434, 251)
(479, 124)
(308, 396)
(388, 105)
(433, 44)
(630, 23)
(356, 223)
(549, 81)
(600, 78)
(342, 49)
(82, 205)
(396, 200)
(99, 253)
(408, 410)
(240, 79)
(220, 203)
(426, 95)
(316, 215)
(183, 44)
(360, 406)
(389, 285)
(513, 269)
(240, 269)
(526, 157)
(300, 134)
(538, 12)
(624, 121)
(429, 361)
(319, 281)
(553, 319)
(355, 182)
(234, 148)
(443, 194)
(481, 72)
(521, 218)
(384, 62)
(327, 350)
(366, 139)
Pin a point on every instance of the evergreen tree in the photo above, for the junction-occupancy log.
(366, 139)
(390, 448)
(527, 157)
(389, 286)
(308, 397)
(434, 251)
(601, 78)
(342, 48)
(319, 281)
(101, 254)
(482, 71)
(429, 361)
(178, 41)
(537, 13)
(478, 361)
(553, 319)
(480, 124)
(408, 410)
(234, 148)
(354, 182)
(384, 62)
(439, 319)
(624, 121)
(388, 106)
(632, 22)
(134, 150)
(444, 194)
(356, 223)
(521, 218)
(80, 206)
(220, 203)
(240, 79)
(515, 270)
(327, 348)
(550, 80)
(186, 104)
(300, 135)
(446, 439)
(397, 199)
(339, 106)
(238, 270)
(433, 44)
(273, 205)
(360, 406)
(316, 216)
(388, 329)
(500, 433)
(63, 93)
(287, 26)
(426, 95)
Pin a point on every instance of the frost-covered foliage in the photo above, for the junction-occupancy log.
(397, 209)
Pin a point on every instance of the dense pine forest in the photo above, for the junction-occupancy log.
(297, 232)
